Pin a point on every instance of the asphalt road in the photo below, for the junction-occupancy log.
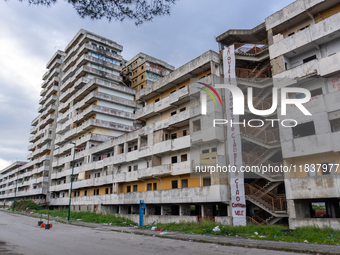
(21, 235)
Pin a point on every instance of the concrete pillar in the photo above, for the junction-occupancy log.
(138, 142)
(126, 147)
(202, 211)
(270, 37)
(116, 150)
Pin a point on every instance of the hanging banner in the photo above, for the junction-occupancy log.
(236, 177)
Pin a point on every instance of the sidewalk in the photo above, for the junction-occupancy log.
(216, 239)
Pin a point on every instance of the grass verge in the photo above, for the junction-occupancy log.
(89, 217)
(268, 232)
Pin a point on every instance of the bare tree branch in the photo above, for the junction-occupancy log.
(138, 10)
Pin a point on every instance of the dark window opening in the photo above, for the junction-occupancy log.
(174, 136)
(335, 125)
(107, 191)
(174, 184)
(305, 129)
(291, 34)
(128, 189)
(205, 151)
(316, 92)
(175, 210)
(196, 125)
(135, 147)
(149, 186)
(172, 92)
(155, 186)
(134, 188)
(130, 167)
(184, 157)
(182, 109)
(174, 160)
(206, 181)
(213, 149)
(184, 183)
(135, 167)
(157, 100)
(184, 132)
(173, 113)
(309, 59)
(166, 137)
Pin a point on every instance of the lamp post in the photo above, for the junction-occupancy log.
(15, 193)
(69, 204)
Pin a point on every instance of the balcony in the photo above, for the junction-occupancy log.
(305, 39)
(322, 186)
(215, 193)
(164, 104)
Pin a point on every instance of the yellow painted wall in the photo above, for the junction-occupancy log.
(327, 13)
(313, 159)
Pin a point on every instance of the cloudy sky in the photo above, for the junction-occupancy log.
(29, 36)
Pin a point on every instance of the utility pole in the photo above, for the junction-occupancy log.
(69, 204)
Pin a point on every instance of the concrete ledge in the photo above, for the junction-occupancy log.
(321, 223)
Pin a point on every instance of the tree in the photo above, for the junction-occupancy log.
(137, 10)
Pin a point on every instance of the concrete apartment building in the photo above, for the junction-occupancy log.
(304, 40)
(143, 70)
(155, 163)
(138, 131)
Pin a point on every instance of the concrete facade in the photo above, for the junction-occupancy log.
(305, 54)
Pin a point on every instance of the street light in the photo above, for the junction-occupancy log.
(15, 192)
(69, 204)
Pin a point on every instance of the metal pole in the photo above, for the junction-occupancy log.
(15, 193)
(69, 204)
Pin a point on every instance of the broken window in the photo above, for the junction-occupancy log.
(184, 157)
(174, 159)
(304, 129)
(174, 184)
(149, 186)
(175, 210)
(135, 147)
(184, 183)
(196, 125)
(130, 167)
(173, 113)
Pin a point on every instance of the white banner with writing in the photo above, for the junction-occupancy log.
(238, 202)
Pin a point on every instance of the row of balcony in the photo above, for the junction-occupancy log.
(26, 174)
(25, 183)
(214, 193)
(31, 192)
(92, 123)
(156, 149)
(163, 104)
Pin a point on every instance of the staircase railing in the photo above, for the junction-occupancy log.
(275, 204)
(260, 104)
(270, 135)
(253, 74)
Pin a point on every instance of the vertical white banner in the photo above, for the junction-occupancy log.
(238, 202)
